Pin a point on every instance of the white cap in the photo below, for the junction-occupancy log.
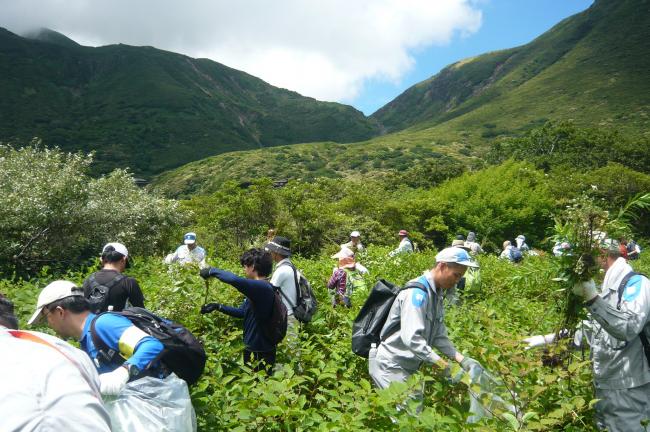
(521, 237)
(355, 234)
(118, 247)
(189, 238)
(456, 255)
(343, 253)
(57, 290)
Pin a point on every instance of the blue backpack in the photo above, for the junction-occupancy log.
(516, 255)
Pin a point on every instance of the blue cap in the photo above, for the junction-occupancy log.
(189, 238)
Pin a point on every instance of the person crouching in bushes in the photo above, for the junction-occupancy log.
(345, 278)
(256, 309)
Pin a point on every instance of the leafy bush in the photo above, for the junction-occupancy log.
(334, 391)
(51, 212)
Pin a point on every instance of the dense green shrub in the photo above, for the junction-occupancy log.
(334, 391)
(52, 213)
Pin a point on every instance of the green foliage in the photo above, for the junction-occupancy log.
(334, 391)
(52, 213)
(565, 147)
(152, 110)
(499, 202)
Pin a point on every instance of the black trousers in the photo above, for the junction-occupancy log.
(260, 361)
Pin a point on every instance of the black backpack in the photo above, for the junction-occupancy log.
(275, 329)
(367, 326)
(306, 303)
(98, 294)
(183, 353)
(642, 336)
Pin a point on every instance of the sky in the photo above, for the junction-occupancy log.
(359, 52)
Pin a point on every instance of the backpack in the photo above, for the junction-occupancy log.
(306, 303)
(354, 281)
(275, 329)
(642, 336)
(516, 255)
(98, 293)
(367, 326)
(183, 353)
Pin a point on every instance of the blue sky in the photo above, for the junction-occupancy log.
(360, 52)
(505, 24)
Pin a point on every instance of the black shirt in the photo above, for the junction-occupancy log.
(126, 289)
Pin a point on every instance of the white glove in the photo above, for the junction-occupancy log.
(112, 383)
(539, 340)
(586, 290)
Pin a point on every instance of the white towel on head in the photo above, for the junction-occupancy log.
(615, 274)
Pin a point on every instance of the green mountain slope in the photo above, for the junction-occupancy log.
(593, 67)
(152, 110)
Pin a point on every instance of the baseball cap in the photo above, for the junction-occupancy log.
(189, 238)
(57, 290)
(355, 234)
(456, 255)
(403, 233)
(117, 247)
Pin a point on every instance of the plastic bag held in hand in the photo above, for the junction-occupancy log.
(472, 367)
(112, 383)
(586, 290)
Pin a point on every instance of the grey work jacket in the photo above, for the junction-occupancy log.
(616, 349)
(415, 324)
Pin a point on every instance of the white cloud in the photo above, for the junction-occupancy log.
(324, 49)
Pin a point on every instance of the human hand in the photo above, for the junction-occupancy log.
(112, 383)
(207, 272)
(207, 308)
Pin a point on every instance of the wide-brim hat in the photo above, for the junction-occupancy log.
(347, 262)
(345, 252)
(279, 245)
(460, 244)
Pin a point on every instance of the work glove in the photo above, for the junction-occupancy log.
(586, 290)
(539, 340)
(472, 367)
(112, 383)
(207, 308)
(207, 272)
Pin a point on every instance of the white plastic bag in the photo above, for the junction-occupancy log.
(486, 401)
(152, 404)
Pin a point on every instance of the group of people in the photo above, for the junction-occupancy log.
(414, 332)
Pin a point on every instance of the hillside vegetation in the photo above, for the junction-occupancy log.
(592, 68)
(152, 110)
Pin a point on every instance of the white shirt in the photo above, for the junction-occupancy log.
(43, 390)
(283, 278)
(183, 255)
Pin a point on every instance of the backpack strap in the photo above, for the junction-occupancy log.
(105, 354)
(621, 287)
(418, 285)
(295, 281)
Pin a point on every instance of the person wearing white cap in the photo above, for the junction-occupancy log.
(67, 312)
(521, 244)
(47, 384)
(187, 253)
(109, 289)
(415, 325)
(355, 242)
